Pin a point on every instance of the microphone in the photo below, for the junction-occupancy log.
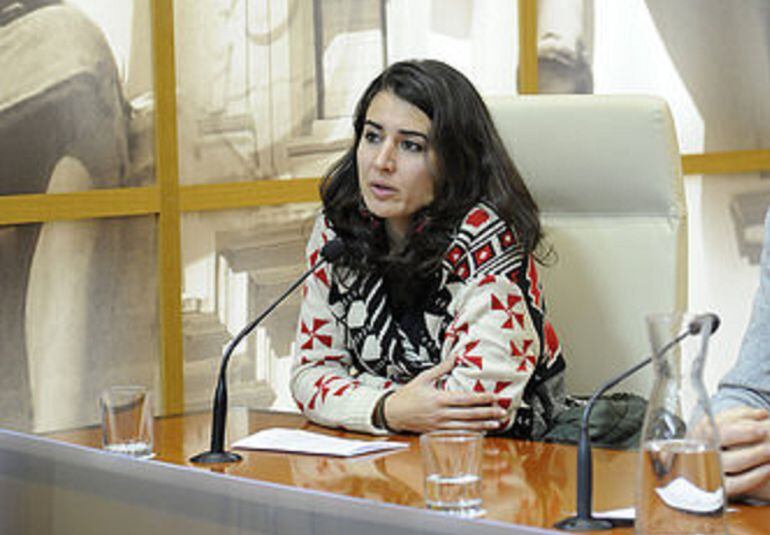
(217, 454)
(584, 519)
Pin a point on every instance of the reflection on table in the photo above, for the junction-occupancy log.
(526, 483)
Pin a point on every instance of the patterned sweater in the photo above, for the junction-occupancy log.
(487, 313)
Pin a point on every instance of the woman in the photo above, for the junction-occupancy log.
(434, 316)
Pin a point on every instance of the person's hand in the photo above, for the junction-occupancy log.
(745, 438)
(419, 407)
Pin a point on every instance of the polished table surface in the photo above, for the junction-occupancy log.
(529, 483)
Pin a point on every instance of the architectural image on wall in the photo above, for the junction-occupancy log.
(75, 115)
(720, 104)
(266, 91)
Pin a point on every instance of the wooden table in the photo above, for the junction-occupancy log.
(527, 483)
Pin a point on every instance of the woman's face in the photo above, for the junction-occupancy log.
(395, 162)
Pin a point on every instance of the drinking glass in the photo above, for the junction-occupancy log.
(452, 467)
(127, 421)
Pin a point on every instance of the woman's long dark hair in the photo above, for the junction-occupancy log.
(471, 165)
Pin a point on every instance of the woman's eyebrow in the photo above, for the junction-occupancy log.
(378, 126)
(402, 131)
(413, 133)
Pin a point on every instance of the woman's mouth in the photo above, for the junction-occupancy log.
(382, 191)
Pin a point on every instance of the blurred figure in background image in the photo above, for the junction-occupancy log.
(64, 127)
(564, 46)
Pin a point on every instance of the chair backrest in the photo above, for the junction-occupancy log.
(606, 174)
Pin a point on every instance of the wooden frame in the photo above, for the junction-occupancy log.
(168, 200)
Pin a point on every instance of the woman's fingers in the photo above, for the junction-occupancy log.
(431, 374)
(467, 399)
(475, 413)
(471, 413)
(469, 425)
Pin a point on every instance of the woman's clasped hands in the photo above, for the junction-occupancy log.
(419, 406)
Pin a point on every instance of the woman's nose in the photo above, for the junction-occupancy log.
(386, 157)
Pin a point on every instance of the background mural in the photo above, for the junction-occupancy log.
(265, 89)
(78, 298)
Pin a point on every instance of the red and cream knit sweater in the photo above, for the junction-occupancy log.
(487, 314)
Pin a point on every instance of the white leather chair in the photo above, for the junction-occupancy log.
(606, 173)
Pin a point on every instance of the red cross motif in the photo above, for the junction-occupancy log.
(341, 390)
(320, 274)
(466, 359)
(501, 385)
(516, 352)
(526, 363)
(453, 333)
(478, 387)
(477, 217)
(325, 360)
(322, 388)
(508, 307)
(313, 334)
(504, 403)
(534, 284)
(527, 359)
(483, 254)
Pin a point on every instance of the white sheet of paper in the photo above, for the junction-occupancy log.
(682, 494)
(298, 441)
(626, 513)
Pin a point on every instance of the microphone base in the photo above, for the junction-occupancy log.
(216, 457)
(575, 523)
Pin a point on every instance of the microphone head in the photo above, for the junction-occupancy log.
(333, 250)
(699, 322)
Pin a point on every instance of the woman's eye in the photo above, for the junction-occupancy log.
(371, 136)
(411, 146)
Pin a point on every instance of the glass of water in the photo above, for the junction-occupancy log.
(127, 421)
(452, 466)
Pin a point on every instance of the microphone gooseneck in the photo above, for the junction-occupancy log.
(584, 519)
(217, 454)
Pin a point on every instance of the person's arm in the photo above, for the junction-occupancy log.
(495, 342)
(489, 354)
(748, 382)
(743, 400)
(321, 382)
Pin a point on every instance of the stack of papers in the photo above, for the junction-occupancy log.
(297, 441)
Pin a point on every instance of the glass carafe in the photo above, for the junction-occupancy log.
(679, 484)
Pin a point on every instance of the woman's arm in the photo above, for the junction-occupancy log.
(493, 341)
(321, 382)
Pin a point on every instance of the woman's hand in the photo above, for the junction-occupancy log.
(419, 407)
(745, 437)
